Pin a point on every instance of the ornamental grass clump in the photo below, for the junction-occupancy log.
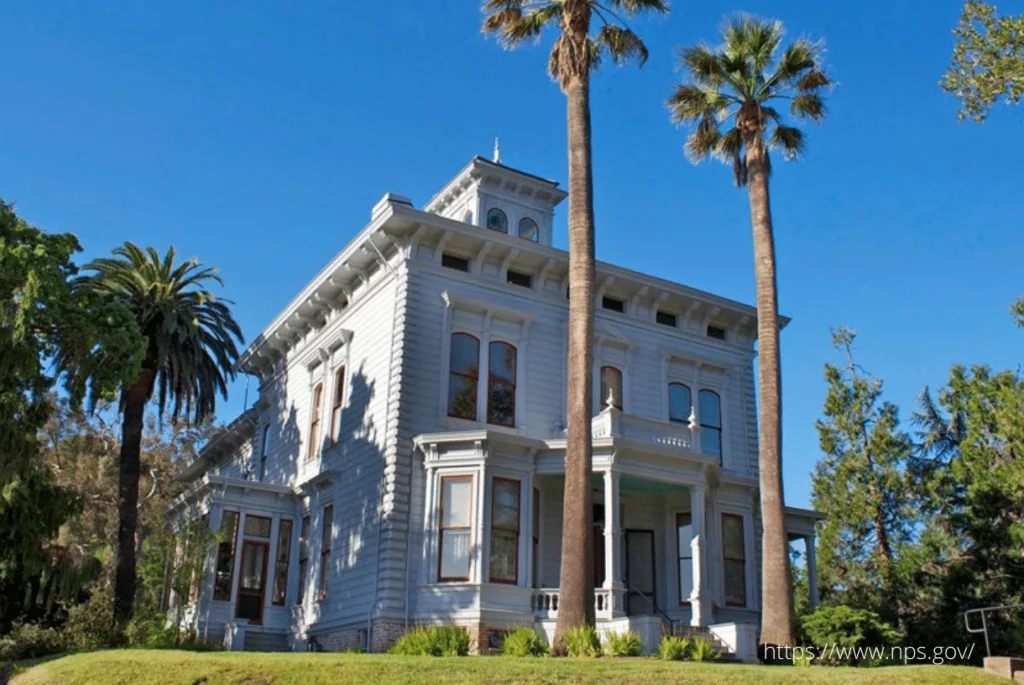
(524, 642)
(583, 641)
(624, 644)
(673, 648)
(433, 641)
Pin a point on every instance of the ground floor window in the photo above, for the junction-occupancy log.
(456, 515)
(303, 557)
(224, 573)
(684, 536)
(325, 550)
(734, 552)
(284, 550)
(504, 531)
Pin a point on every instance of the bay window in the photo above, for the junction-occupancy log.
(303, 557)
(454, 529)
(504, 566)
(326, 535)
(225, 571)
(684, 536)
(734, 553)
(284, 551)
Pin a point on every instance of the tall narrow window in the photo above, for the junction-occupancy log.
(611, 382)
(453, 555)
(303, 557)
(501, 385)
(264, 446)
(679, 404)
(497, 221)
(734, 553)
(536, 537)
(284, 552)
(339, 398)
(684, 536)
(463, 375)
(528, 229)
(224, 574)
(314, 421)
(710, 423)
(505, 531)
(326, 535)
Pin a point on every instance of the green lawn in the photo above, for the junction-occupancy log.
(142, 667)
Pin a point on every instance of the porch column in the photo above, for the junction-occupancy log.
(812, 569)
(612, 532)
(700, 602)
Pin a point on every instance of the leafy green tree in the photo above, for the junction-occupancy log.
(988, 60)
(586, 31)
(190, 352)
(51, 337)
(1017, 311)
(862, 487)
(736, 88)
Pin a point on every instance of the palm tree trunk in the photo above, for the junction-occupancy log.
(776, 588)
(135, 398)
(576, 576)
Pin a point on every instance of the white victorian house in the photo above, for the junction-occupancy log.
(404, 461)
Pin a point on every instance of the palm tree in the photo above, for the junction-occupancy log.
(190, 354)
(575, 53)
(730, 93)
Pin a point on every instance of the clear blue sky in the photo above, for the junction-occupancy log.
(257, 135)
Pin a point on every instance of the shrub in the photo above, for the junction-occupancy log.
(91, 625)
(703, 650)
(802, 658)
(433, 641)
(152, 632)
(583, 641)
(524, 642)
(845, 626)
(673, 648)
(31, 641)
(625, 644)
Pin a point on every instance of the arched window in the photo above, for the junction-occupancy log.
(528, 229)
(611, 381)
(463, 375)
(496, 220)
(467, 218)
(710, 423)
(679, 403)
(501, 384)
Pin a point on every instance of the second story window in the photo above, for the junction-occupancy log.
(501, 384)
(679, 403)
(611, 382)
(339, 399)
(496, 220)
(264, 446)
(314, 422)
(463, 376)
(710, 423)
(528, 229)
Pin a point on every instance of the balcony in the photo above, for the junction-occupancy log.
(612, 423)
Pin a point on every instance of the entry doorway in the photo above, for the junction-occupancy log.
(252, 581)
(640, 585)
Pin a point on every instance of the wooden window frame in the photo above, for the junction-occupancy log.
(233, 543)
(326, 539)
(686, 419)
(264, 440)
(441, 528)
(683, 601)
(504, 217)
(314, 421)
(256, 517)
(535, 513)
(262, 594)
(519, 515)
(493, 380)
(536, 229)
(287, 560)
(743, 560)
(474, 378)
(304, 526)
(706, 426)
(338, 403)
(619, 403)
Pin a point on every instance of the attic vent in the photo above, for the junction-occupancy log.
(716, 332)
(613, 304)
(665, 319)
(517, 278)
(454, 262)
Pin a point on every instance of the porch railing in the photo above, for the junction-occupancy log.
(544, 603)
(612, 423)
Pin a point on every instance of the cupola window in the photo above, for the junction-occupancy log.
(528, 229)
(496, 220)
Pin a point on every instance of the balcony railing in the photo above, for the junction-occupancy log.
(612, 423)
(544, 603)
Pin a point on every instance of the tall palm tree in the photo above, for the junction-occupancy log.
(190, 354)
(730, 93)
(575, 53)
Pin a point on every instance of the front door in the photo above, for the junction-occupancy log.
(252, 582)
(640, 587)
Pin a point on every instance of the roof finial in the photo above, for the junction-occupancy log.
(497, 151)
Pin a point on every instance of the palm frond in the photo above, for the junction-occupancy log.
(622, 44)
(633, 7)
(808, 106)
(703, 65)
(701, 143)
(788, 139)
(691, 103)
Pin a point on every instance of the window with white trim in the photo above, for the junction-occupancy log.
(454, 528)
(734, 560)
(679, 403)
(710, 423)
(611, 382)
(463, 376)
(501, 384)
(504, 566)
(314, 421)
(684, 538)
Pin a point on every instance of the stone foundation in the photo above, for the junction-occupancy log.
(385, 634)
